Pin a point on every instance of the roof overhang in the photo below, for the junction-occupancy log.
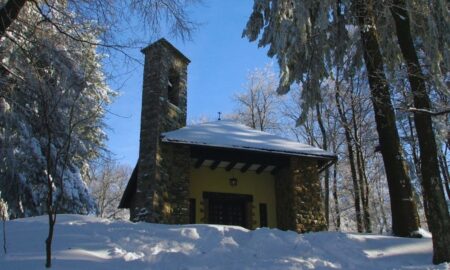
(264, 158)
(325, 155)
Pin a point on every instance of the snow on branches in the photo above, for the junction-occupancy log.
(53, 100)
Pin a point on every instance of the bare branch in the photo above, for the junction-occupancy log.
(425, 111)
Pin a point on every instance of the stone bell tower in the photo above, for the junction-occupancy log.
(162, 171)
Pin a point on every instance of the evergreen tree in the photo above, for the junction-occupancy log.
(54, 96)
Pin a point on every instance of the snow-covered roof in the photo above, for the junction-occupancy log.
(230, 134)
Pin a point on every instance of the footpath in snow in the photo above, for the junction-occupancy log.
(85, 242)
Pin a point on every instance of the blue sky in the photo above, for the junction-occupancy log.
(220, 62)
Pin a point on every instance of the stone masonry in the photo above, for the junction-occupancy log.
(163, 175)
(298, 197)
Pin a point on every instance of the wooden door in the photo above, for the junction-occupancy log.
(227, 212)
(228, 209)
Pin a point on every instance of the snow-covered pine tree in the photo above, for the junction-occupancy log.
(297, 33)
(54, 95)
(52, 102)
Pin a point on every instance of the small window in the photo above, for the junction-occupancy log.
(173, 89)
(263, 215)
(192, 211)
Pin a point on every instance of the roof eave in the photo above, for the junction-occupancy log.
(325, 156)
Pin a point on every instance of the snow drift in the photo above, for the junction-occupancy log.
(86, 242)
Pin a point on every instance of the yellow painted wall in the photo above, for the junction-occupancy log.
(260, 186)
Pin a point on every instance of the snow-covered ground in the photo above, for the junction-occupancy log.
(89, 243)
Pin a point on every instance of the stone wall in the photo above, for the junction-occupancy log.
(163, 63)
(173, 167)
(285, 200)
(298, 195)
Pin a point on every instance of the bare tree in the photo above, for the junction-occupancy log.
(327, 170)
(436, 208)
(302, 45)
(57, 148)
(107, 182)
(380, 198)
(336, 199)
(404, 210)
(110, 15)
(351, 154)
(256, 105)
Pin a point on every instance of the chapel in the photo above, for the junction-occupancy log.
(219, 172)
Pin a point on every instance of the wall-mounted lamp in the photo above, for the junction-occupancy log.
(233, 181)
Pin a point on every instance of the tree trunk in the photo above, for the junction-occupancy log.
(445, 174)
(336, 201)
(438, 218)
(414, 148)
(351, 158)
(3, 212)
(9, 13)
(48, 241)
(381, 205)
(404, 211)
(51, 172)
(364, 187)
(327, 171)
(415, 155)
(377, 218)
(50, 207)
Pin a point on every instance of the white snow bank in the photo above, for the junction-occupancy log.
(84, 242)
